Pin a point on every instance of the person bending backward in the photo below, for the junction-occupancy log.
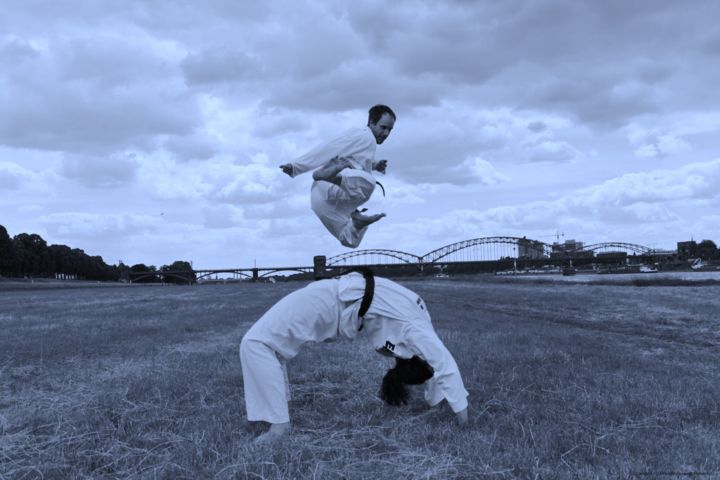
(394, 319)
(335, 197)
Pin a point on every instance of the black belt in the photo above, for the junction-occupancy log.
(381, 186)
(369, 289)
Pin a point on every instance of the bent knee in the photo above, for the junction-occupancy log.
(350, 244)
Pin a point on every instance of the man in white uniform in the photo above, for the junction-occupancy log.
(335, 197)
(394, 319)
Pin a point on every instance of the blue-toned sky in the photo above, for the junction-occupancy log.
(151, 131)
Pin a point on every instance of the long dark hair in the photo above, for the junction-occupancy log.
(415, 371)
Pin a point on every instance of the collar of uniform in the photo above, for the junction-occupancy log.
(351, 287)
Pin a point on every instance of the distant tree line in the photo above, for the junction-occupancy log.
(28, 255)
(179, 272)
(706, 249)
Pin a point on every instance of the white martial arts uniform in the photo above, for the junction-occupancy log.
(332, 203)
(397, 321)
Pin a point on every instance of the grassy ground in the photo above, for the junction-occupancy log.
(566, 381)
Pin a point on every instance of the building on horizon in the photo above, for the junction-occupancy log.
(687, 249)
(569, 249)
(531, 249)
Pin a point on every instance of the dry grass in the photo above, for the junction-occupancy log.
(566, 381)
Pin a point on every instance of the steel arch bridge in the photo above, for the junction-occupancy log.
(235, 271)
(252, 273)
(633, 248)
(274, 271)
(370, 257)
(493, 248)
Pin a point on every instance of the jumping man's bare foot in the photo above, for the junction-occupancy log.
(361, 221)
(277, 431)
(329, 171)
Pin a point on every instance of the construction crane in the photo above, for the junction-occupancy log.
(557, 236)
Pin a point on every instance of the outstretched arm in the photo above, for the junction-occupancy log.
(287, 169)
(446, 382)
(350, 143)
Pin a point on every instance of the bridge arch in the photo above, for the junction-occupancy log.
(289, 269)
(366, 257)
(512, 246)
(207, 273)
(633, 248)
(185, 277)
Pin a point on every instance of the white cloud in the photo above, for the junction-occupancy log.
(242, 184)
(481, 171)
(92, 225)
(662, 146)
(222, 216)
(623, 208)
(164, 178)
(690, 182)
(553, 151)
(12, 176)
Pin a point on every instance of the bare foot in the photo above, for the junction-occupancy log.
(361, 221)
(329, 171)
(277, 431)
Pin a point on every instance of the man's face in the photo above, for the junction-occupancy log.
(382, 128)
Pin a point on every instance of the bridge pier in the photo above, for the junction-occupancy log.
(319, 265)
(254, 274)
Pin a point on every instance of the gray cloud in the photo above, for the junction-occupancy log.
(273, 123)
(438, 145)
(101, 172)
(198, 146)
(91, 93)
(220, 66)
(15, 50)
(354, 85)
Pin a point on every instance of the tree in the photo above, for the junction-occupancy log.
(139, 273)
(61, 256)
(707, 250)
(182, 272)
(7, 258)
(123, 271)
(31, 255)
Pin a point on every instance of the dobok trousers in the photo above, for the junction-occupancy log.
(334, 204)
(267, 390)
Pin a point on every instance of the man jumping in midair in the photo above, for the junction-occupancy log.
(343, 176)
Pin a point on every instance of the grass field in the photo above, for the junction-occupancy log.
(566, 381)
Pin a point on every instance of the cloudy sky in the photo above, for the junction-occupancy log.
(152, 131)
